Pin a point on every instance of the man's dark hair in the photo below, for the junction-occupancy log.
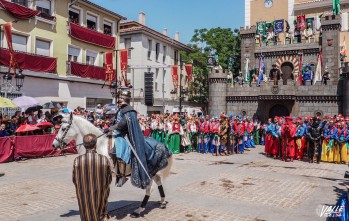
(89, 141)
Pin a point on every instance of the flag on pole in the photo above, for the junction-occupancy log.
(175, 76)
(8, 35)
(247, 73)
(109, 66)
(300, 78)
(343, 52)
(336, 7)
(189, 70)
(261, 70)
(318, 75)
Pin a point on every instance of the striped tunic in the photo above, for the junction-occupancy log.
(92, 177)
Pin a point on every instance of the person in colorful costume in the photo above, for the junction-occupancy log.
(342, 142)
(269, 127)
(307, 74)
(249, 143)
(231, 135)
(330, 136)
(215, 130)
(207, 133)
(224, 134)
(239, 129)
(288, 132)
(300, 139)
(174, 139)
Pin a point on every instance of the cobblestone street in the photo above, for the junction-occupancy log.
(201, 187)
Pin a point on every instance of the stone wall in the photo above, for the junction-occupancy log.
(217, 92)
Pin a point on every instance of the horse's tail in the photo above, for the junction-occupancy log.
(167, 170)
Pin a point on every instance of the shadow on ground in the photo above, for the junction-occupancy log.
(125, 211)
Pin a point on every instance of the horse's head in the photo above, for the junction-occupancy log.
(66, 133)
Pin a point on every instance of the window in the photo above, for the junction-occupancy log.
(164, 54)
(157, 51)
(91, 22)
(44, 6)
(91, 58)
(21, 2)
(176, 57)
(19, 42)
(127, 42)
(74, 16)
(42, 47)
(73, 53)
(107, 28)
(150, 45)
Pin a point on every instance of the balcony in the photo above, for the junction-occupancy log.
(28, 61)
(86, 71)
(17, 10)
(91, 36)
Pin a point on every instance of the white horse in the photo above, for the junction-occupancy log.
(76, 127)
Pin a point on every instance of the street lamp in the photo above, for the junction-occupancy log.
(19, 80)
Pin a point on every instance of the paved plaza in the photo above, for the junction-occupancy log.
(201, 187)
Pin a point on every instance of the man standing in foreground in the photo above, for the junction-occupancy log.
(92, 177)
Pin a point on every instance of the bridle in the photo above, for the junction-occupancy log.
(61, 142)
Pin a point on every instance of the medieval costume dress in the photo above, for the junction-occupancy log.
(215, 147)
(274, 148)
(239, 129)
(342, 140)
(256, 133)
(249, 143)
(175, 133)
(330, 136)
(224, 133)
(336, 150)
(92, 177)
(152, 155)
(201, 135)
(300, 139)
(268, 137)
(288, 132)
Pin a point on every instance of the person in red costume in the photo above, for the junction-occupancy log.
(288, 133)
(239, 129)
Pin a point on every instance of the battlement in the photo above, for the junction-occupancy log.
(217, 73)
(330, 19)
(248, 30)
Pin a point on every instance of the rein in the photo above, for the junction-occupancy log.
(62, 143)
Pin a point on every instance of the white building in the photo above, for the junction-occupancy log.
(155, 52)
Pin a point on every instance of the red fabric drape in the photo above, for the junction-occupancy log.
(17, 10)
(124, 59)
(87, 71)
(109, 66)
(91, 36)
(301, 23)
(37, 146)
(175, 75)
(189, 70)
(30, 61)
(8, 34)
(6, 150)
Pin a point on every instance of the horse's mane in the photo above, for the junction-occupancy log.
(87, 125)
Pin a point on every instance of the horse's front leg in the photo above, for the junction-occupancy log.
(140, 209)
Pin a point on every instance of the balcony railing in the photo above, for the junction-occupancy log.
(18, 10)
(91, 36)
(29, 61)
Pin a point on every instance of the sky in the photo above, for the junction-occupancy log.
(183, 16)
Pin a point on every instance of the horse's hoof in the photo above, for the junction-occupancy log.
(135, 215)
(163, 205)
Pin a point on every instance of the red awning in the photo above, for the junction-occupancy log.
(91, 36)
(30, 61)
(17, 10)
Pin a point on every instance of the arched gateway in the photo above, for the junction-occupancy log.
(278, 110)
